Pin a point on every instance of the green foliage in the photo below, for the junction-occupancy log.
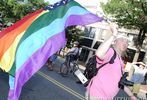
(13, 11)
(131, 14)
(73, 34)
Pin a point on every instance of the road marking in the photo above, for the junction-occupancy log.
(61, 85)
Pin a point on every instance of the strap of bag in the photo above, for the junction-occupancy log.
(111, 61)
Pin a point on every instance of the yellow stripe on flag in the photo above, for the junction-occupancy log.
(9, 56)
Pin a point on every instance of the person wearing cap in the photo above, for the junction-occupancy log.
(72, 55)
(104, 85)
(74, 51)
(75, 48)
(139, 71)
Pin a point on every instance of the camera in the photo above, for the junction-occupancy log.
(124, 82)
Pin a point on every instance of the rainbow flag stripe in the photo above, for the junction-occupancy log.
(26, 46)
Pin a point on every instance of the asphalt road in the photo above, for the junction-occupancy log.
(48, 85)
(4, 86)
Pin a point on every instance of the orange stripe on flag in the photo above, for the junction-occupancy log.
(9, 38)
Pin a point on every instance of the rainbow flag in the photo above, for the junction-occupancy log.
(26, 46)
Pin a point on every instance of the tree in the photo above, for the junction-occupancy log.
(131, 14)
(13, 11)
(73, 33)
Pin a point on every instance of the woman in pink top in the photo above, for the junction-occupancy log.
(104, 86)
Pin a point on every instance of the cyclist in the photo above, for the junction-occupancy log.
(72, 55)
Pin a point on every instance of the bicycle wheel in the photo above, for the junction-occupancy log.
(64, 69)
(75, 68)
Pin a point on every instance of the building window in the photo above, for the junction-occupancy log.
(84, 55)
(141, 56)
(89, 32)
(86, 42)
(96, 45)
(130, 55)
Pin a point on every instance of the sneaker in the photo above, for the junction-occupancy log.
(63, 75)
(50, 69)
(79, 82)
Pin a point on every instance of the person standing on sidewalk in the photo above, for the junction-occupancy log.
(51, 60)
(137, 75)
(73, 53)
(104, 85)
(138, 72)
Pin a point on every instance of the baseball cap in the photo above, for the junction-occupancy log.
(76, 42)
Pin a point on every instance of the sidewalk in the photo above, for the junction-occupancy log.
(143, 92)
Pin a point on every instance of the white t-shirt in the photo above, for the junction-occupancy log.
(138, 75)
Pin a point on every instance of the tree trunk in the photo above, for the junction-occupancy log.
(141, 38)
(142, 35)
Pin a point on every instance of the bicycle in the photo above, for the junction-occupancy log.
(68, 66)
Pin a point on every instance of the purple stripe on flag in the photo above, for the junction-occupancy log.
(83, 20)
